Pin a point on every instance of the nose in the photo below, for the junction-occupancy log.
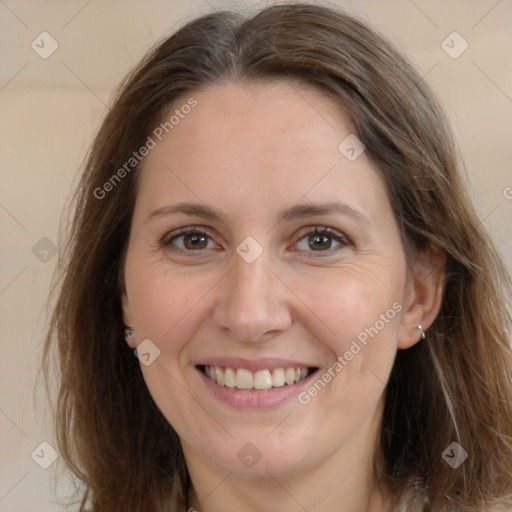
(252, 304)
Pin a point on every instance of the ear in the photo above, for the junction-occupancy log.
(423, 296)
(127, 317)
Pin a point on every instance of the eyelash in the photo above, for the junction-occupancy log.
(173, 235)
(341, 239)
(338, 237)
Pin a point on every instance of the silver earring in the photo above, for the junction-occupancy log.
(421, 331)
(128, 333)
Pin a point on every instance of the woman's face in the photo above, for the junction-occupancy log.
(291, 264)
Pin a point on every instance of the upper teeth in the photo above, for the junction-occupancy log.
(262, 379)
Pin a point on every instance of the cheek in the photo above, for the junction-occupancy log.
(168, 304)
(350, 298)
(355, 312)
(166, 301)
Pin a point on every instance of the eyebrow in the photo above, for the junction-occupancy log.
(312, 210)
(194, 209)
(294, 212)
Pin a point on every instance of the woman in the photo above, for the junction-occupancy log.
(273, 220)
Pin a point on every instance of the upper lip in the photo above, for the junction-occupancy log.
(255, 364)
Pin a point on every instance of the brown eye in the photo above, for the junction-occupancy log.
(319, 242)
(188, 240)
(195, 241)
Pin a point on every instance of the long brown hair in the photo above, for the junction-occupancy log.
(455, 386)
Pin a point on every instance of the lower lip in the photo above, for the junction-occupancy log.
(255, 399)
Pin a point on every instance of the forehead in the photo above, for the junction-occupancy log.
(249, 144)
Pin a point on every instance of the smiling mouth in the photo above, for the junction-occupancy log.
(261, 380)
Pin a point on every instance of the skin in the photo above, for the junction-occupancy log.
(251, 152)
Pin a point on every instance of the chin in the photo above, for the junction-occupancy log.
(258, 455)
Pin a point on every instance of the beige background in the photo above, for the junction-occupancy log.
(50, 108)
